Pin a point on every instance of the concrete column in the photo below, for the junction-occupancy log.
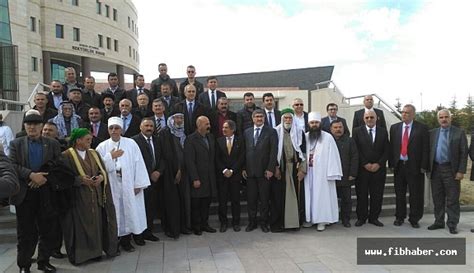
(85, 67)
(46, 67)
(121, 76)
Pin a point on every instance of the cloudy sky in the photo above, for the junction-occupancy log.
(408, 49)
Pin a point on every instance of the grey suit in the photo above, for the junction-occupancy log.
(445, 189)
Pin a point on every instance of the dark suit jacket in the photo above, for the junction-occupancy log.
(19, 158)
(102, 135)
(215, 129)
(418, 147)
(93, 99)
(359, 118)
(148, 156)
(199, 88)
(378, 152)
(204, 98)
(114, 113)
(169, 109)
(132, 95)
(142, 113)
(277, 115)
(349, 159)
(119, 95)
(233, 162)
(190, 122)
(51, 100)
(458, 149)
(133, 127)
(263, 156)
(78, 85)
(471, 155)
(200, 164)
(326, 125)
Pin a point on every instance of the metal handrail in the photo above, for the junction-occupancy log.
(35, 90)
(12, 102)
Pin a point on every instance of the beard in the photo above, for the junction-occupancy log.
(287, 126)
(179, 126)
(314, 133)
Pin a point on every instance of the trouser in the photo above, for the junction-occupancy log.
(32, 224)
(229, 189)
(445, 191)
(258, 189)
(151, 206)
(185, 205)
(200, 212)
(372, 184)
(277, 203)
(415, 181)
(344, 193)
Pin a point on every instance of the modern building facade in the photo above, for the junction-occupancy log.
(89, 35)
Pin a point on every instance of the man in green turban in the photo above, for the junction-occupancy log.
(96, 232)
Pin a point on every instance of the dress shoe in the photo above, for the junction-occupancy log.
(223, 228)
(58, 255)
(265, 228)
(127, 247)
(150, 237)
(236, 228)
(321, 227)
(453, 230)
(25, 270)
(346, 224)
(209, 229)
(376, 222)
(112, 255)
(398, 222)
(139, 240)
(435, 226)
(197, 232)
(186, 231)
(359, 223)
(250, 227)
(171, 235)
(46, 267)
(415, 224)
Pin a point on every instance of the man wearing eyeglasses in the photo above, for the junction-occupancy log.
(331, 109)
(191, 72)
(372, 144)
(301, 117)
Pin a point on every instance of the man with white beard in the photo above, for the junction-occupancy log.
(125, 166)
(324, 168)
(287, 210)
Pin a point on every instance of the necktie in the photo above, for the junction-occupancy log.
(255, 136)
(270, 120)
(150, 146)
(158, 125)
(442, 149)
(167, 99)
(404, 148)
(94, 129)
(213, 99)
(229, 145)
(190, 112)
(371, 135)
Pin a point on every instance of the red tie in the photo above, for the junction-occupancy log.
(404, 149)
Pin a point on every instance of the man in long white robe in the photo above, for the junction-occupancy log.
(127, 174)
(324, 168)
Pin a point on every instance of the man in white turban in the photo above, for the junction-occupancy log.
(125, 167)
(323, 169)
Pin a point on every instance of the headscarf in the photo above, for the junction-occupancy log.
(61, 123)
(296, 135)
(177, 132)
(78, 133)
(115, 121)
(314, 116)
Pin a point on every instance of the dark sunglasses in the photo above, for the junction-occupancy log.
(298, 104)
(369, 117)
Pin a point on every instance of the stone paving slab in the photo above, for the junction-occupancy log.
(333, 250)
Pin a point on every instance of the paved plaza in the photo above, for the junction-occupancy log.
(333, 250)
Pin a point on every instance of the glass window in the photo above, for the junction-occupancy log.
(130, 51)
(5, 36)
(101, 40)
(4, 14)
(75, 2)
(115, 15)
(33, 24)
(128, 21)
(109, 41)
(59, 31)
(134, 53)
(34, 64)
(98, 6)
(116, 45)
(76, 34)
(57, 72)
(133, 25)
(107, 11)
